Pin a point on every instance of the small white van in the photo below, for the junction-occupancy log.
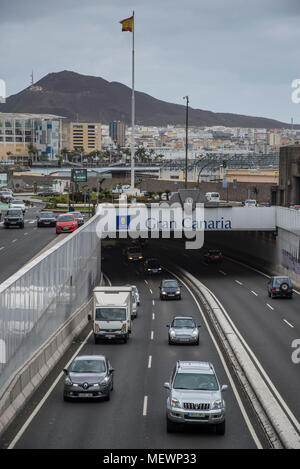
(213, 196)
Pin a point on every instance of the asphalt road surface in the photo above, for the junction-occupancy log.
(135, 416)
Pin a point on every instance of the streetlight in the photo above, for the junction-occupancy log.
(186, 140)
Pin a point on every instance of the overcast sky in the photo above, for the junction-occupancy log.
(236, 56)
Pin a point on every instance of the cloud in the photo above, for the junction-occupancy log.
(233, 56)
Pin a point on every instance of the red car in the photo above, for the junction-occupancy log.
(66, 223)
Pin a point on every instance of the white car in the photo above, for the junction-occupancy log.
(17, 204)
(250, 203)
(213, 196)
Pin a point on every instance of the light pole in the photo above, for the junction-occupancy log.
(186, 140)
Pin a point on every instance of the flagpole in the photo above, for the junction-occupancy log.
(132, 111)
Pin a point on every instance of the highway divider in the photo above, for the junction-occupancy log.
(278, 422)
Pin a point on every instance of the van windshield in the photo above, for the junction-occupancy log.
(110, 314)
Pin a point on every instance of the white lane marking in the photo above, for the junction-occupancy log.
(255, 270)
(14, 240)
(152, 335)
(150, 291)
(271, 307)
(239, 401)
(153, 302)
(153, 316)
(259, 366)
(221, 272)
(41, 403)
(289, 324)
(146, 282)
(254, 293)
(150, 361)
(145, 406)
(25, 234)
(237, 281)
(32, 221)
(1, 248)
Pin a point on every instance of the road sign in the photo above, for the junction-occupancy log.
(79, 175)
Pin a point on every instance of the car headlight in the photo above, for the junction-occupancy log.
(175, 403)
(178, 292)
(164, 292)
(195, 333)
(172, 333)
(217, 404)
(130, 258)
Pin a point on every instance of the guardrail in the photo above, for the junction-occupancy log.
(274, 419)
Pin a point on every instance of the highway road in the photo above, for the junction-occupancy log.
(135, 415)
(269, 326)
(18, 246)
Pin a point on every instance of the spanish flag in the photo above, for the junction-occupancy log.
(127, 24)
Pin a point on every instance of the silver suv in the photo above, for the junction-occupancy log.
(195, 396)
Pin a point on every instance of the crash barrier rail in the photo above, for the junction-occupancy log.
(274, 419)
(37, 300)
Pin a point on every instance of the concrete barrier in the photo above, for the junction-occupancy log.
(281, 425)
(29, 377)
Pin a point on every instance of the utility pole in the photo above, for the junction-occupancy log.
(186, 140)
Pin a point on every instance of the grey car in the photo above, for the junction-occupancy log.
(280, 286)
(89, 377)
(183, 330)
(195, 397)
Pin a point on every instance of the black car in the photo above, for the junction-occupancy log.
(46, 219)
(170, 288)
(79, 218)
(213, 256)
(280, 286)
(48, 193)
(88, 377)
(14, 217)
(152, 266)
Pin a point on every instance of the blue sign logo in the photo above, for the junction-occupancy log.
(123, 222)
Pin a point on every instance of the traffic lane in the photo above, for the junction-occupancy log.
(119, 423)
(237, 433)
(113, 424)
(20, 246)
(268, 336)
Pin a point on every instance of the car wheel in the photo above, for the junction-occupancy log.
(171, 426)
(96, 339)
(22, 226)
(66, 399)
(269, 294)
(179, 297)
(125, 340)
(220, 428)
(107, 398)
(197, 343)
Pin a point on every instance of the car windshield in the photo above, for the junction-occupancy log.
(280, 280)
(47, 215)
(66, 218)
(77, 214)
(189, 323)
(17, 202)
(195, 381)
(170, 284)
(153, 264)
(14, 213)
(111, 314)
(88, 366)
(134, 250)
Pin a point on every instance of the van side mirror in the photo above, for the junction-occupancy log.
(65, 371)
(89, 317)
(224, 387)
(167, 385)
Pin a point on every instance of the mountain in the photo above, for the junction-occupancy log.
(93, 99)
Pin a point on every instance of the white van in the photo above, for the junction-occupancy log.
(213, 196)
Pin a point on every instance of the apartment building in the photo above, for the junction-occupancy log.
(117, 131)
(18, 132)
(82, 135)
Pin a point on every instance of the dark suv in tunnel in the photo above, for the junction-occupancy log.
(280, 287)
